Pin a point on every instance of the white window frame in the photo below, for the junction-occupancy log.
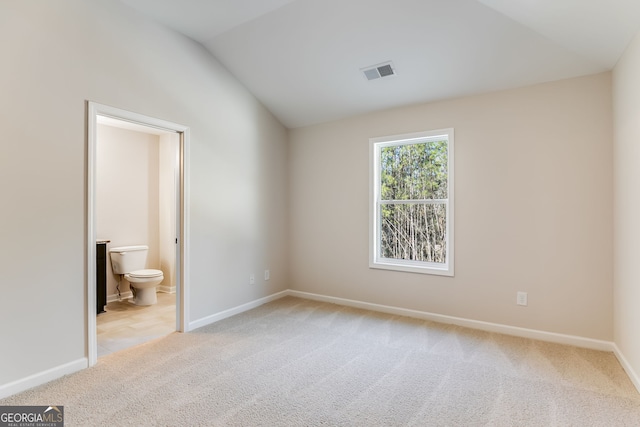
(375, 260)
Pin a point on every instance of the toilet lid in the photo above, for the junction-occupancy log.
(146, 273)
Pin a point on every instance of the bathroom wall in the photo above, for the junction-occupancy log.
(167, 175)
(127, 194)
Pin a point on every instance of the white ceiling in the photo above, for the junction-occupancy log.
(302, 58)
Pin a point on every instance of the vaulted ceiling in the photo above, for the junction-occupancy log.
(303, 58)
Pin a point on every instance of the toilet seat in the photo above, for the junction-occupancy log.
(145, 274)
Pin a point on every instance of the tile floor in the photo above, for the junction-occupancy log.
(125, 324)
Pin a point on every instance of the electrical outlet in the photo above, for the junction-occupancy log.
(266, 275)
(521, 298)
(252, 279)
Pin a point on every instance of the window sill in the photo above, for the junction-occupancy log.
(409, 267)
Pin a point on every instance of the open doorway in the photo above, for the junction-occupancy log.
(102, 122)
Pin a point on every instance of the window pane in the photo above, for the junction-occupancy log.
(414, 171)
(413, 232)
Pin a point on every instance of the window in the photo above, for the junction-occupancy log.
(411, 212)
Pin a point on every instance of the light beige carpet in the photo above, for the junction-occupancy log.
(296, 362)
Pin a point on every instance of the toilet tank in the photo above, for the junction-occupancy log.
(125, 259)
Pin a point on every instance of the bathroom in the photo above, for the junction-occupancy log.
(136, 181)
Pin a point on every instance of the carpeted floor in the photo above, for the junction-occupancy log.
(295, 362)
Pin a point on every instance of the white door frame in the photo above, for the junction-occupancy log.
(182, 271)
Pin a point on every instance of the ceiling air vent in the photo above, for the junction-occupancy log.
(377, 71)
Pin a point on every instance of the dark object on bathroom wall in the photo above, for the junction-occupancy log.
(101, 275)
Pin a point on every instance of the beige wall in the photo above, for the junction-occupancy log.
(127, 194)
(55, 57)
(626, 95)
(167, 234)
(533, 208)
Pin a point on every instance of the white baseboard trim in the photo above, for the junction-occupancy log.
(128, 295)
(31, 381)
(123, 296)
(40, 378)
(468, 323)
(236, 310)
(633, 375)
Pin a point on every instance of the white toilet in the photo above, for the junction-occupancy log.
(130, 261)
